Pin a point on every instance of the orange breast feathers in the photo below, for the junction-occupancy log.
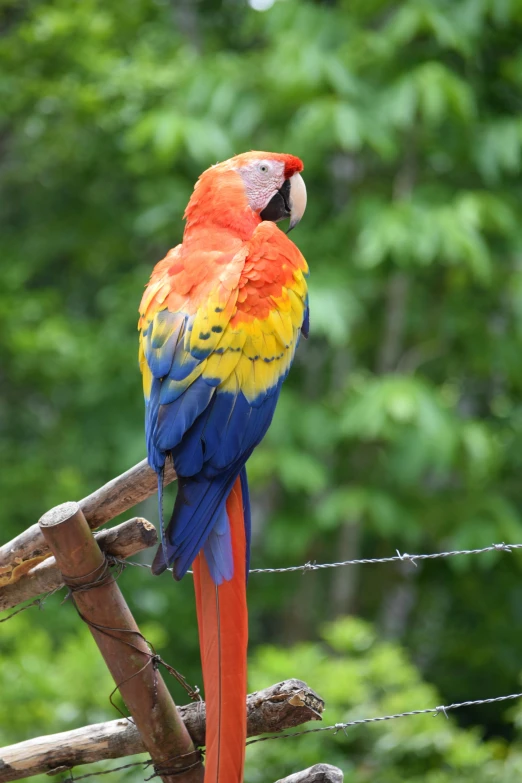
(244, 305)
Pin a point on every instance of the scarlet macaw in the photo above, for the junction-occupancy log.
(220, 321)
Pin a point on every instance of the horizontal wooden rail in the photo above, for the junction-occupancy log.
(121, 541)
(277, 708)
(117, 496)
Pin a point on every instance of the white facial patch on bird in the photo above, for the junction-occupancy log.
(262, 179)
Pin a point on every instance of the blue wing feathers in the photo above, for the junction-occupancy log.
(189, 454)
(216, 424)
(156, 455)
(161, 338)
(176, 418)
(210, 433)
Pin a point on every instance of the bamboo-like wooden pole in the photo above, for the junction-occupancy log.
(120, 541)
(277, 708)
(102, 606)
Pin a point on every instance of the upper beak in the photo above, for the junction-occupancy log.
(287, 202)
(297, 199)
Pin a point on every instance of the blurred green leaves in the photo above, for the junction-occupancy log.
(401, 419)
(362, 677)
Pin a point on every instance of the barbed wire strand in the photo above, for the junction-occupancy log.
(398, 558)
(310, 566)
(73, 779)
(335, 728)
(443, 709)
(39, 602)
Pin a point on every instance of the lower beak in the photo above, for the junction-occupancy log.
(288, 202)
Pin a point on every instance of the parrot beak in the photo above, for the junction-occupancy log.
(288, 202)
(297, 200)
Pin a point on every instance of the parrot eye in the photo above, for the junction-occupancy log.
(263, 168)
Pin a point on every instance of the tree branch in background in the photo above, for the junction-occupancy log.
(390, 349)
(28, 549)
(277, 708)
(120, 541)
(345, 581)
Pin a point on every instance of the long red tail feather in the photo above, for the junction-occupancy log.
(223, 636)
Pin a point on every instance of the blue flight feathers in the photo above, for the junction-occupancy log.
(210, 433)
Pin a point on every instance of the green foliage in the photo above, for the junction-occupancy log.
(44, 682)
(400, 426)
(362, 677)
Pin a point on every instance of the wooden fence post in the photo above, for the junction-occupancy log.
(127, 655)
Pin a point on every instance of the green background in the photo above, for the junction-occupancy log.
(400, 426)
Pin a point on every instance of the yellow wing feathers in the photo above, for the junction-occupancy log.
(241, 324)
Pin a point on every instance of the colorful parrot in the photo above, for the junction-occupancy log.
(220, 321)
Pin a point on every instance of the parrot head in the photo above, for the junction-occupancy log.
(266, 184)
(274, 186)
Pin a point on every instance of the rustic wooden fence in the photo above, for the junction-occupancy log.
(61, 551)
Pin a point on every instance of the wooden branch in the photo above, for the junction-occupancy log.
(281, 706)
(123, 492)
(120, 541)
(28, 549)
(276, 708)
(320, 773)
(127, 655)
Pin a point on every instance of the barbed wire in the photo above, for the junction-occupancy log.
(442, 709)
(335, 728)
(38, 602)
(310, 566)
(72, 779)
(398, 558)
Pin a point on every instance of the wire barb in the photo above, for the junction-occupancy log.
(406, 556)
(503, 547)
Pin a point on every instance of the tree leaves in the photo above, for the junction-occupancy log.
(402, 412)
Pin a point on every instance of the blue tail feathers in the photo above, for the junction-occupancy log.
(199, 521)
(218, 550)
